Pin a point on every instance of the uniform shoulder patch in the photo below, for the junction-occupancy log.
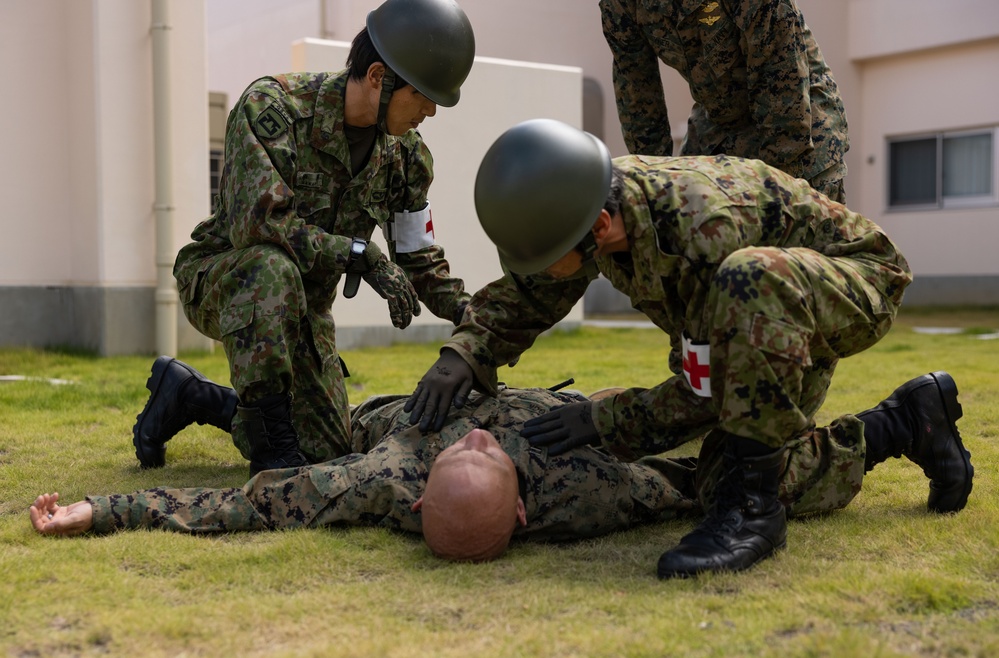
(271, 123)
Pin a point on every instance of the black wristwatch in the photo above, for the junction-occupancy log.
(356, 266)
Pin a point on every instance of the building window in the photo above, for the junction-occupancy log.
(215, 172)
(943, 170)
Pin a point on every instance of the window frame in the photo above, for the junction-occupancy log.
(215, 155)
(943, 202)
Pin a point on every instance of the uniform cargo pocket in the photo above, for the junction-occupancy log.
(309, 203)
(189, 291)
(780, 339)
(331, 481)
(235, 318)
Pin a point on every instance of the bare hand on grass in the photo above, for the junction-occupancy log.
(49, 518)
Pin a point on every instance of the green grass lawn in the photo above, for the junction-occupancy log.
(881, 578)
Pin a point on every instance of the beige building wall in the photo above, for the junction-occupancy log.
(927, 67)
(77, 263)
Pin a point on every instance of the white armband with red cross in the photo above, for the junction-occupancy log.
(696, 366)
(413, 230)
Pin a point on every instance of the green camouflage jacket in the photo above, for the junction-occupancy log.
(287, 181)
(760, 86)
(684, 216)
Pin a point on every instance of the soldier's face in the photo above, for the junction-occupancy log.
(566, 266)
(478, 447)
(407, 109)
(609, 234)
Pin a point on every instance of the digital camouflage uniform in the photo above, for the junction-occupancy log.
(760, 86)
(580, 493)
(776, 279)
(261, 273)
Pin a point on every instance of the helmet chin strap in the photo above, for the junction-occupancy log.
(388, 86)
(588, 247)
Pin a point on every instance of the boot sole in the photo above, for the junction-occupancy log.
(158, 458)
(947, 388)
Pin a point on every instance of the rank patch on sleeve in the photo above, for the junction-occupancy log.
(270, 123)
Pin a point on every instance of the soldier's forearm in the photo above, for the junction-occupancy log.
(195, 510)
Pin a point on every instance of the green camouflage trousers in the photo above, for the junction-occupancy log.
(781, 318)
(584, 492)
(279, 337)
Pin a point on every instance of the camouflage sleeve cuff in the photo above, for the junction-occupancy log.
(603, 421)
(334, 252)
(104, 520)
(485, 376)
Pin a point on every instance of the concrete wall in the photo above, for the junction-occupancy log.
(78, 177)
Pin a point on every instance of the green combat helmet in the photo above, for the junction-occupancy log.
(428, 43)
(539, 189)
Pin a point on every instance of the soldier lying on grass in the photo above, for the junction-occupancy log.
(475, 484)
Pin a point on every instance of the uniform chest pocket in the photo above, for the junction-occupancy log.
(376, 195)
(721, 71)
(313, 205)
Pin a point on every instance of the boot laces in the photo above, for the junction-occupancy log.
(730, 503)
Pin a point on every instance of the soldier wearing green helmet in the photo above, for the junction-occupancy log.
(762, 284)
(314, 162)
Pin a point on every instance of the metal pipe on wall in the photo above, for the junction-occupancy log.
(166, 289)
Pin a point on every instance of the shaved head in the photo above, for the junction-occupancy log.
(471, 504)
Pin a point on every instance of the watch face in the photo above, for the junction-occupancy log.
(357, 247)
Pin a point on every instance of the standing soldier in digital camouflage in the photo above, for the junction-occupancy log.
(313, 163)
(762, 285)
(468, 488)
(760, 86)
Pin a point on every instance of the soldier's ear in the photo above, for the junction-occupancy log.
(521, 511)
(375, 74)
(419, 504)
(602, 226)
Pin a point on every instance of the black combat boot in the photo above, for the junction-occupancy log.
(919, 420)
(745, 524)
(272, 437)
(178, 396)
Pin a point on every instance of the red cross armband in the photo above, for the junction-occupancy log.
(413, 230)
(696, 368)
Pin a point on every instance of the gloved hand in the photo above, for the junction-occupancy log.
(391, 283)
(563, 428)
(447, 383)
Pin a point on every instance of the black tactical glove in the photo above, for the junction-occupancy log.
(391, 283)
(563, 428)
(447, 383)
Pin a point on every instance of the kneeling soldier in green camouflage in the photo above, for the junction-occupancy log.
(472, 486)
(313, 163)
(762, 285)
